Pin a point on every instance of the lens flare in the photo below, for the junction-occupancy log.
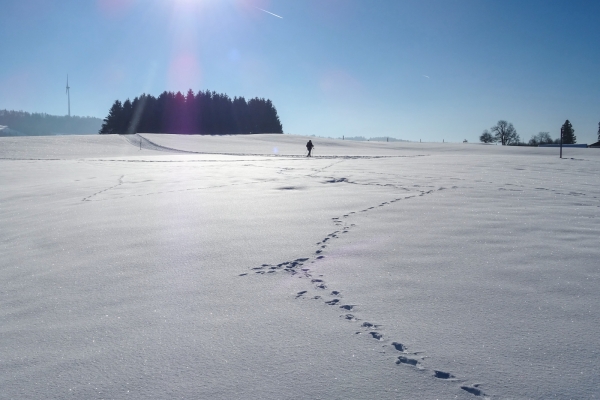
(184, 72)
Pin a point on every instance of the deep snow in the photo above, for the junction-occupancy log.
(243, 270)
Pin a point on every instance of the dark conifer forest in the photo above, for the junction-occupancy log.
(206, 113)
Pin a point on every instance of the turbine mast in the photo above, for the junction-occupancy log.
(68, 95)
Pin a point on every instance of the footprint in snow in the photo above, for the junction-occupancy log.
(406, 360)
(370, 325)
(399, 346)
(473, 390)
(443, 375)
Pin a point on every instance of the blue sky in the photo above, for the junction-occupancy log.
(418, 69)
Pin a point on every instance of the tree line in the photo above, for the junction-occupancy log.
(207, 113)
(506, 134)
(41, 124)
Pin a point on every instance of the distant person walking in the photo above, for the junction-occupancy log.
(309, 146)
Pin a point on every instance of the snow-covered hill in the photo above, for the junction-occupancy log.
(165, 266)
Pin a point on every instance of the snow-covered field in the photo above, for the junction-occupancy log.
(234, 268)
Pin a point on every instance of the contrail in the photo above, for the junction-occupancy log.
(268, 12)
(426, 76)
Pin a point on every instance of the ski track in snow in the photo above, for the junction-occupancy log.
(300, 268)
(142, 142)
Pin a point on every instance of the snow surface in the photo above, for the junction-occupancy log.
(243, 270)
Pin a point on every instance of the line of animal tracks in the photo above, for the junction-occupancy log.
(318, 290)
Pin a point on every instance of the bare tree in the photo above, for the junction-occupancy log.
(541, 138)
(505, 133)
(487, 137)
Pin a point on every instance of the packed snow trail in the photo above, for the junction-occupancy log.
(143, 143)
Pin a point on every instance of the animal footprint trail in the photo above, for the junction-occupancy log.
(298, 268)
(120, 182)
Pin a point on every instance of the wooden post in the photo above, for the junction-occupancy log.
(561, 140)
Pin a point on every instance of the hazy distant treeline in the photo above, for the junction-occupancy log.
(202, 113)
(39, 124)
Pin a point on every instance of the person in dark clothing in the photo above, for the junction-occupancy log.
(309, 146)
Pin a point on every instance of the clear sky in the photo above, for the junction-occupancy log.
(410, 69)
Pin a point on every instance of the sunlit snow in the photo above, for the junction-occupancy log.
(167, 266)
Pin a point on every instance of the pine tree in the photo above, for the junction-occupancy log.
(191, 124)
(599, 131)
(568, 133)
(126, 117)
(111, 122)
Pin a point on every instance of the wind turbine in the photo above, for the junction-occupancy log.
(68, 95)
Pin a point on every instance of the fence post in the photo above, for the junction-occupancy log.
(561, 140)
